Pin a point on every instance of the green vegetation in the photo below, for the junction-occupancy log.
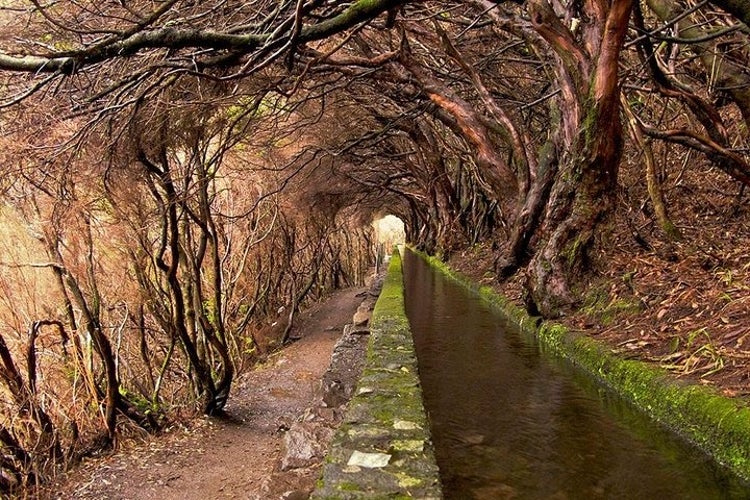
(599, 306)
(390, 304)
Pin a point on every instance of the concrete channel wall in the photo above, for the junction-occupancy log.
(383, 448)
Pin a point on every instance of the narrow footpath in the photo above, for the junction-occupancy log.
(237, 456)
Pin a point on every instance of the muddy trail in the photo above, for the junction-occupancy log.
(270, 443)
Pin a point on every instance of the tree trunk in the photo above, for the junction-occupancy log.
(583, 193)
(652, 182)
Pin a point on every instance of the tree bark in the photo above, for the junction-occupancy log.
(652, 182)
(180, 37)
(493, 166)
(583, 193)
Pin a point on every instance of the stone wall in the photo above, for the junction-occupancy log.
(383, 448)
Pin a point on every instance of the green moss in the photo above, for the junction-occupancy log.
(376, 416)
(407, 481)
(572, 251)
(598, 305)
(348, 486)
(716, 424)
(383, 414)
(390, 304)
(670, 230)
(408, 445)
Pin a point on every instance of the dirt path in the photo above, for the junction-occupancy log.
(237, 456)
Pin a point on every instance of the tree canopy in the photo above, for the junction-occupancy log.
(183, 175)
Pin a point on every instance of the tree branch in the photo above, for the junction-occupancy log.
(169, 37)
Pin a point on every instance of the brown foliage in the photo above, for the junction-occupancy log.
(181, 176)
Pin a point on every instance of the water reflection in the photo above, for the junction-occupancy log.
(510, 423)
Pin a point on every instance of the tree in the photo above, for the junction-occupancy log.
(232, 154)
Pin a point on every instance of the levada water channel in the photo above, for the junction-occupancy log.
(510, 422)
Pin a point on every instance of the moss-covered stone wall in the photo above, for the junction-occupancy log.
(718, 425)
(383, 447)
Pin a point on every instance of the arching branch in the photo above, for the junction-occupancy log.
(175, 37)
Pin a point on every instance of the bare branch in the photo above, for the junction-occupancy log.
(170, 37)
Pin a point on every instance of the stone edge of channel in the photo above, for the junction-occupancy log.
(383, 447)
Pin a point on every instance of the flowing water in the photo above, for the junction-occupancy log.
(510, 422)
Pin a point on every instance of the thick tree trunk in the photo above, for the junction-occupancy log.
(583, 193)
(528, 218)
(582, 196)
